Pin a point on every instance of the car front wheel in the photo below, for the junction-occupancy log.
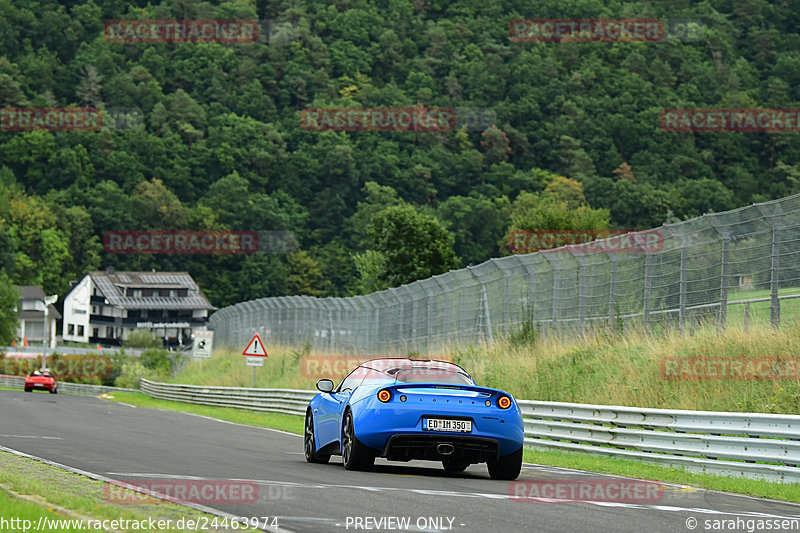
(355, 455)
(507, 467)
(309, 443)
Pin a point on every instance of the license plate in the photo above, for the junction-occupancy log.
(446, 424)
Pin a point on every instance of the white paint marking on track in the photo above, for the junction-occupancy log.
(228, 422)
(98, 477)
(158, 476)
(32, 437)
(493, 496)
(561, 469)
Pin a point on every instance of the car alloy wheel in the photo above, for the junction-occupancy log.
(355, 455)
(310, 445)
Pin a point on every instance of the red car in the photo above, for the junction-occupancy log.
(41, 380)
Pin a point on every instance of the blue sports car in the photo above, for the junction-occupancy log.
(404, 409)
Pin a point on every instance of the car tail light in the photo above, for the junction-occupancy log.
(384, 395)
(504, 402)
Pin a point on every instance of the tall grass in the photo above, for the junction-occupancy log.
(603, 367)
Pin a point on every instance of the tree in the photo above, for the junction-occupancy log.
(477, 223)
(415, 246)
(9, 300)
(305, 275)
(377, 198)
(370, 265)
(157, 207)
(565, 190)
(549, 213)
(90, 86)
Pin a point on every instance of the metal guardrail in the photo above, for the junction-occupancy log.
(64, 386)
(750, 445)
(34, 350)
(286, 401)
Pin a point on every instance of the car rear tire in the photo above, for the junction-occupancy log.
(507, 467)
(454, 466)
(309, 443)
(54, 391)
(355, 455)
(27, 389)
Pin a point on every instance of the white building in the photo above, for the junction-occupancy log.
(30, 313)
(104, 307)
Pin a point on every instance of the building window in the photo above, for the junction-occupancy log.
(80, 331)
(70, 329)
(95, 332)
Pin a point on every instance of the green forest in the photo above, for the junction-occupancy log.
(210, 136)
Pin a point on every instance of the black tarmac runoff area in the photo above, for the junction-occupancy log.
(254, 472)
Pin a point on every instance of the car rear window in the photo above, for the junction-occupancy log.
(428, 374)
(381, 370)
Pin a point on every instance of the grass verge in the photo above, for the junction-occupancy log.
(789, 492)
(602, 367)
(292, 424)
(26, 512)
(30, 489)
(622, 467)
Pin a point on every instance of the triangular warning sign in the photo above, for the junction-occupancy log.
(255, 348)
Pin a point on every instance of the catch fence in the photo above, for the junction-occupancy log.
(731, 268)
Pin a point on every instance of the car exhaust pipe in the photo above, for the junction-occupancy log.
(445, 448)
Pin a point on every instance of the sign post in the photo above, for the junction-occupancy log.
(256, 354)
(203, 345)
(48, 301)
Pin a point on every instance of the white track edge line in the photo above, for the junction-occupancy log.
(98, 477)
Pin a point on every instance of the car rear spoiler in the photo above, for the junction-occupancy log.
(444, 386)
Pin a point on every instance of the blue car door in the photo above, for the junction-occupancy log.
(331, 409)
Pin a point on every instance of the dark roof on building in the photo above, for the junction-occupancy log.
(34, 292)
(31, 292)
(38, 315)
(113, 286)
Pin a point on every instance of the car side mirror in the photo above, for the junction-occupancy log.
(325, 385)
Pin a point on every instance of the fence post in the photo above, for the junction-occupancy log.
(774, 300)
(485, 310)
(531, 292)
(507, 316)
(683, 285)
(648, 287)
(723, 286)
(460, 306)
(429, 322)
(414, 344)
(774, 279)
(612, 290)
(330, 329)
(376, 326)
(402, 317)
(746, 318)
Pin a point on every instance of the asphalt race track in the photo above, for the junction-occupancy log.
(127, 444)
